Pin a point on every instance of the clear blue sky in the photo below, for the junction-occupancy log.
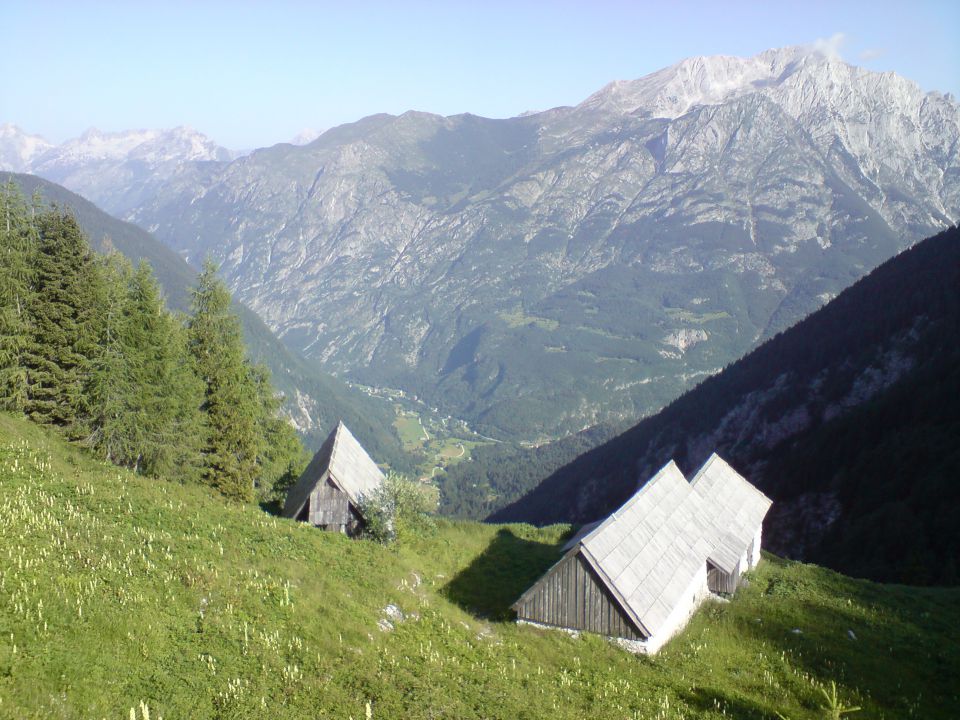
(251, 74)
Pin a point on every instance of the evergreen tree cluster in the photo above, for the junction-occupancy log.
(87, 345)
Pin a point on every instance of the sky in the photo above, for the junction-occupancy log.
(251, 74)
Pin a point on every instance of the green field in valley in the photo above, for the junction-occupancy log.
(411, 432)
(436, 443)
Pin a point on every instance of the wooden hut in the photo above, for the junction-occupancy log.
(640, 573)
(328, 492)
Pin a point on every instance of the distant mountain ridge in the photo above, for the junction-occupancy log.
(544, 273)
(848, 420)
(18, 149)
(114, 170)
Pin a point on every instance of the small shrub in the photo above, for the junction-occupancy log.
(835, 709)
(397, 509)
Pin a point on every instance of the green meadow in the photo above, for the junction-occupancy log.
(122, 594)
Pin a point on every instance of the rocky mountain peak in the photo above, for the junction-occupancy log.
(710, 80)
(18, 148)
(306, 136)
(181, 144)
(94, 144)
(701, 80)
(115, 170)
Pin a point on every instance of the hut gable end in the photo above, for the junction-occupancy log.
(329, 491)
(329, 505)
(571, 595)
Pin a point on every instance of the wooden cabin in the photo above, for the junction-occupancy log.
(639, 574)
(328, 492)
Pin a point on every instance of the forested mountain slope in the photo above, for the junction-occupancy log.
(315, 400)
(123, 592)
(540, 274)
(849, 421)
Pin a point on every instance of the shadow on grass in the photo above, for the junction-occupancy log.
(501, 574)
(271, 507)
(892, 643)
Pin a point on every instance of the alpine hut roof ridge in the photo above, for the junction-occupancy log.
(348, 465)
(644, 551)
(733, 507)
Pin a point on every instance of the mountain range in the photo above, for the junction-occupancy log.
(540, 274)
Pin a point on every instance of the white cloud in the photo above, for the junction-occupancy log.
(830, 47)
(872, 54)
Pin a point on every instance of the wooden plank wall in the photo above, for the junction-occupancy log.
(571, 596)
(329, 506)
(720, 582)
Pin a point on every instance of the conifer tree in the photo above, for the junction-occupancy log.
(86, 344)
(113, 424)
(231, 398)
(180, 454)
(17, 245)
(66, 324)
(167, 404)
(146, 396)
(282, 456)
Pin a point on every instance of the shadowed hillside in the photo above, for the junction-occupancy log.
(848, 420)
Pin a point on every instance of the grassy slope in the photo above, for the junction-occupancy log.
(115, 589)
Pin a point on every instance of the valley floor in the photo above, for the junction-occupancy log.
(117, 590)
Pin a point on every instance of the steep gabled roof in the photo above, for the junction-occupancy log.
(649, 551)
(348, 465)
(581, 534)
(734, 507)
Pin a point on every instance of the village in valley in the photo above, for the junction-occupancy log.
(435, 440)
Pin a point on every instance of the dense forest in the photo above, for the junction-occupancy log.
(849, 421)
(88, 346)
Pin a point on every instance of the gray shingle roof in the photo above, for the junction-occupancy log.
(580, 534)
(650, 550)
(734, 507)
(348, 464)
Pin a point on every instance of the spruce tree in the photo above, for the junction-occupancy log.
(66, 324)
(282, 456)
(169, 395)
(144, 396)
(180, 455)
(18, 243)
(87, 344)
(231, 400)
(113, 425)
